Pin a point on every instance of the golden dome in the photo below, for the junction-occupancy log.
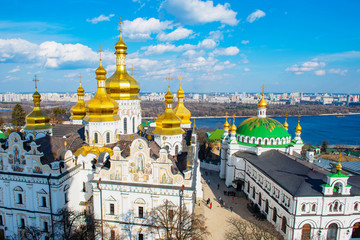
(262, 103)
(168, 123)
(298, 128)
(122, 86)
(181, 111)
(37, 120)
(78, 111)
(286, 125)
(233, 127)
(339, 167)
(226, 124)
(101, 108)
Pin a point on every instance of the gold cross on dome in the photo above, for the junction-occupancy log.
(180, 79)
(234, 118)
(120, 23)
(169, 79)
(100, 51)
(80, 77)
(35, 81)
(132, 70)
(299, 118)
(263, 88)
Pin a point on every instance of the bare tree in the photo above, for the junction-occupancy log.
(240, 229)
(28, 233)
(76, 225)
(176, 223)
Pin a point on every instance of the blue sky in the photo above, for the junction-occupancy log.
(227, 46)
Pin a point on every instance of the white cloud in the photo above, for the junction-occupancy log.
(308, 66)
(245, 42)
(207, 44)
(15, 69)
(320, 72)
(230, 51)
(255, 16)
(177, 34)
(15, 50)
(100, 18)
(142, 28)
(247, 69)
(197, 11)
(216, 35)
(338, 71)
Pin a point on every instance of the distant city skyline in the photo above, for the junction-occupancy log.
(219, 46)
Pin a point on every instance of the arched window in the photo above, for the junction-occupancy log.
(338, 188)
(248, 187)
(356, 207)
(253, 195)
(283, 224)
(332, 232)
(96, 138)
(267, 206)
(259, 201)
(133, 123)
(336, 205)
(274, 214)
(356, 231)
(265, 142)
(306, 232)
(125, 125)
(313, 208)
(176, 149)
(107, 137)
(303, 207)
(272, 142)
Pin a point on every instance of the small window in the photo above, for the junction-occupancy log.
(43, 201)
(141, 236)
(313, 208)
(22, 223)
(20, 198)
(112, 209)
(303, 208)
(125, 125)
(171, 214)
(283, 225)
(1, 221)
(66, 197)
(96, 138)
(248, 187)
(259, 201)
(46, 227)
(253, 195)
(141, 212)
(84, 187)
(107, 137)
(267, 206)
(356, 207)
(112, 234)
(274, 215)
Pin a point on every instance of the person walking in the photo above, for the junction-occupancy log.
(210, 205)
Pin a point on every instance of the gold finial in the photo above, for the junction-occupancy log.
(132, 137)
(263, 88)
(149, 138)
(299, 118)
(226, 124)
(286, 125)
(65, 144)
(339, 167)
(286, 115)
(132, 70)
(169, 79)
(120, 23)
(35, 81)
(80, 77)
(234, 119)
(298, 128)
(180, 79)
(100, 51)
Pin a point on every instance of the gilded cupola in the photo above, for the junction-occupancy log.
(262, 103)
(37, 120)
(286, 125)
(233, 128)
(122, 86)
(78, 111)
(181, 111)
(168, 123)
(298, 128)
(101, 108)
(226, 124)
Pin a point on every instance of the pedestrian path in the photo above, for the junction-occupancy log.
(216, 217)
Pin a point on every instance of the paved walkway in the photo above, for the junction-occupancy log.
(216, 217)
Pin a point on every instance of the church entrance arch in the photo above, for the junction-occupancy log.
(332, 232)
(356, 231)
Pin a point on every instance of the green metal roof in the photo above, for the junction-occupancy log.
(147, 123)
(3, 135)
(215, 136)
(338, 174)
(262, 127)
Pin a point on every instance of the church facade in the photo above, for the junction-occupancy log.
(301, 200)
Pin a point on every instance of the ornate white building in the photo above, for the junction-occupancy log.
(301, 200)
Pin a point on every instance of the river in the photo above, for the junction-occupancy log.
(315, 129)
